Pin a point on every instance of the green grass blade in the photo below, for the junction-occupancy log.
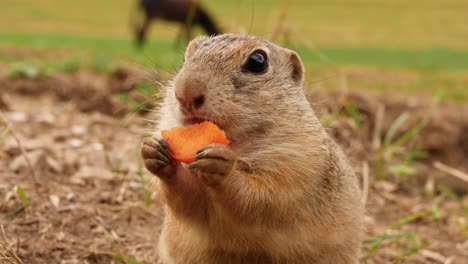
(410, 134)
(394, 128)
(436, 210)
(376, 243)
(352, 112)
(4, 135)
(22, 195)
(402, 169)
(146, 193)
(411, 236)
(405, 220)
(411, 156)
(124, 259)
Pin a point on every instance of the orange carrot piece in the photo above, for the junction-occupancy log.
(186, 141)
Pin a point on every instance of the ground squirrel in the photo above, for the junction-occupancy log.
(281, 192)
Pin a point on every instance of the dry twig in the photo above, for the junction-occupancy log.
(378, 126)
(281, 20)
(451, 171)
(436, 256)
(6, 252)
(20, 145)
(365, 182)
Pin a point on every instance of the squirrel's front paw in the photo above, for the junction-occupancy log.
(156, 158)
(213, 163)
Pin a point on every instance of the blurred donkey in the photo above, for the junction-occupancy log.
(186, 12)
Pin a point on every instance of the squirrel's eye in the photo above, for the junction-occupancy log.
(257, 62)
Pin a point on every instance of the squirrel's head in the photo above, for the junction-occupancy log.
(238, 82)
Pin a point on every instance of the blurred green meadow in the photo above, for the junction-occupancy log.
(426, 40)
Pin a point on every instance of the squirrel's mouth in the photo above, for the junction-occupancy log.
(193, 120)
(188, 119)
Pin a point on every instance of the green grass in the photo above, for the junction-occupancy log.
(22, 195)
(427, 38)
(349, 23)
(413, 243)
(4, 134)
(162, 53)
(421, 59)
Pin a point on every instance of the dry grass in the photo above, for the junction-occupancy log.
(7, 253)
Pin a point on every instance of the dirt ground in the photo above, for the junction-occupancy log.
(88, 201)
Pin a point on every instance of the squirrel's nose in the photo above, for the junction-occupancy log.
(190, 91)
(189, 102)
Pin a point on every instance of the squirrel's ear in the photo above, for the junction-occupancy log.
(297, 68)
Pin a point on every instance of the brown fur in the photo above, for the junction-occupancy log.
(282, 192)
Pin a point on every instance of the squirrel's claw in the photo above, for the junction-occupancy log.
(156, 157)
(213, 163)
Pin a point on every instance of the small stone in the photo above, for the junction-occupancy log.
(87, 172)
(76, 143)
(16, 116)
(105, 197)
(134, 185)
(40, 161)
(54, 165)
(71, 196)
(60, 236)
(45, 118)
(55, 200)
(77, 130)
(66, 208)
(97, 146)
